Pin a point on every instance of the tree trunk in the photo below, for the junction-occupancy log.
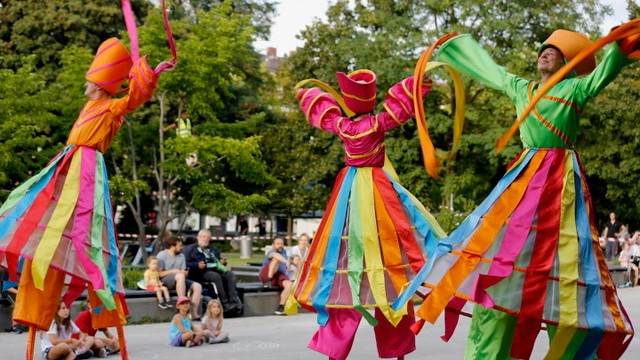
(289, 228)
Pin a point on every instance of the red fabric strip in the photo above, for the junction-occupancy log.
(403, 228)
(321, 230)
(544, 251)
(451, 317)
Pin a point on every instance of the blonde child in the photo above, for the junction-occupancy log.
(294, 267)
(625, 259)
(57, 342)
(212, 323)
(153, 283)
(180, 329)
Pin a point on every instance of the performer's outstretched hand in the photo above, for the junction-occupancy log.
(167, 65)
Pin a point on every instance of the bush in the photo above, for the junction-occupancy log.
(131, 275)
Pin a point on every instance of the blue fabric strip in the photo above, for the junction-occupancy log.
(330, 264)
(423, 226)
(112, 270)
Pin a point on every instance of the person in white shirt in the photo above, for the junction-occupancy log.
(57, 342)
(297, 255)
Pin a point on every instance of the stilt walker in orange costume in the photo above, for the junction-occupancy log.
(59, 224)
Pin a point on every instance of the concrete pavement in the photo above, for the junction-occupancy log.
(285, 337)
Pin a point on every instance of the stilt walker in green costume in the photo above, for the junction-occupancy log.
(529, 255)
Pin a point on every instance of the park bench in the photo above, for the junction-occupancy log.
(620, 275)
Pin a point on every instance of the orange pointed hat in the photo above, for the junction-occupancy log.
(111, 65)
(359, 90)
(570, 43)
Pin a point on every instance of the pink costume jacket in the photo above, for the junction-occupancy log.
(363, 137)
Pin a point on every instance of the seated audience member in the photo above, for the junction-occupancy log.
(9, 293)
(275, 270)
(634, 253)
(181, 330)
(294, 267)
(102, 346)
(206, 265)
(57, 343)
(625, 261)
(173, 273)
(297, 254)
(211, 324)
(152, 282)
(302, 248)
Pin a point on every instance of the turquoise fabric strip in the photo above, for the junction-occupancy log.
(593, 304)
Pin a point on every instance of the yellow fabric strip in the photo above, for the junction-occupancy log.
(372, 251)
(59, 219)
(568, 257)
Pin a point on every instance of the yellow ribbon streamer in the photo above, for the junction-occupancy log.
(568, 253)
(326, 87)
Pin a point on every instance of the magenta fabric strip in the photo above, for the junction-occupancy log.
(172, 44)
(130, 22)
(81, 231)
(515, 236)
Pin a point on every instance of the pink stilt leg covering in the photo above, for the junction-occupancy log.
(395, 341)
(336, 338)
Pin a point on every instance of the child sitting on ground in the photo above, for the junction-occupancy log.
(153, 283)
(103, 345)
(212, 323)
(180, 329)
(57, 342)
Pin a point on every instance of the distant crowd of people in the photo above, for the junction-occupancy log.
(617, 241)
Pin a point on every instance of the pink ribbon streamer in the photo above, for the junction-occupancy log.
(130, 22)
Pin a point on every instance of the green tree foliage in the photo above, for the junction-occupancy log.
(260, 12)
(217, 81)
(24, 131)
(609, 145)
(44, 28)
(387, 37)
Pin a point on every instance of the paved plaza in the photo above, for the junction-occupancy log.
(286, 337)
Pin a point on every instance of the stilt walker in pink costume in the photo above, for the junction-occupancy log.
(529, 256)
(374, 233)
(56, 229)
